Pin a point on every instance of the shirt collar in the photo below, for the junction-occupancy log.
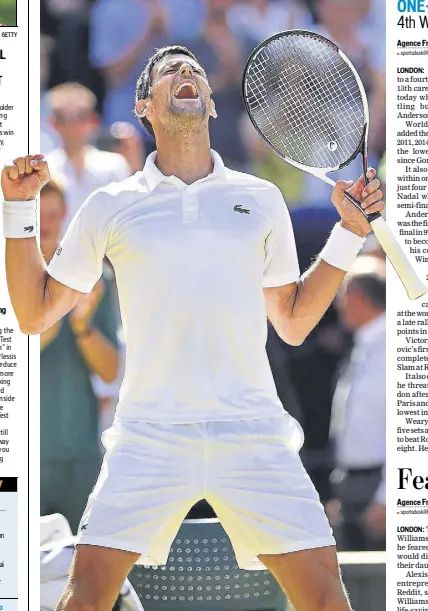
(371, 331)
(153, 176)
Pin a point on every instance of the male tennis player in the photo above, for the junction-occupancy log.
(201, 253)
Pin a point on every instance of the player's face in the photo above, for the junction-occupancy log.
(180, 94)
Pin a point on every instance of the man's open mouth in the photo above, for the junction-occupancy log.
(186, 91)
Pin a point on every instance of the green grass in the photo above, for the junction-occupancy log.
(8, 12)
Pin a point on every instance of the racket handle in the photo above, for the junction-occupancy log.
(398, 259)
(370, 217)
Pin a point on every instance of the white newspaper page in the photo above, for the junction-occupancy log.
(71, 72)
(19, 378)
(407, 366)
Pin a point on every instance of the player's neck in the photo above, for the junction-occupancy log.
(187, 159)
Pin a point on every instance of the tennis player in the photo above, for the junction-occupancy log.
(201, 254)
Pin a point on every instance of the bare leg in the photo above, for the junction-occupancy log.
(96, 576)
(310, 578)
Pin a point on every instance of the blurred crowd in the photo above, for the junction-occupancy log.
(92, 52)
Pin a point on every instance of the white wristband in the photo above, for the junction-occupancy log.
(20, 219)
(342, 248)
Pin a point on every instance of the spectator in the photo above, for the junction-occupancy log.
(345, 23)
(359, 410)
(124, 35)
(185, 18)
(81, 344)
(222, 56)
(64, 8)
(66, 22)
(78, 166)
(49, 138)
(123, 138)
(254, 20)
(266, 164)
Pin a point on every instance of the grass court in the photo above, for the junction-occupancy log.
(8, 12)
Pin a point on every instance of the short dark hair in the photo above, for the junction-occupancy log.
(372, 286)
(145, 80)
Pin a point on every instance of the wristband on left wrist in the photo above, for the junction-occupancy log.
(20, 219)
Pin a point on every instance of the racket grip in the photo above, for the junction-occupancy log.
(370, 217)
(414, 287)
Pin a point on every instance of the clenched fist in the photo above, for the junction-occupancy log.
(23, 180)
(370, 196)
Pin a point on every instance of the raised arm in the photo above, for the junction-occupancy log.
(295, 309)
(38, 300)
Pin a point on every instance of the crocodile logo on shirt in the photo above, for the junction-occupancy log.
(240, 209)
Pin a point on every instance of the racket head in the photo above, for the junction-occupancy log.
(307, 102)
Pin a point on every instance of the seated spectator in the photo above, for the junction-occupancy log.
(359, 412)
(77, 165)
(81, 344)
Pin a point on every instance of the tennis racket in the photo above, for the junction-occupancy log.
(307, 102)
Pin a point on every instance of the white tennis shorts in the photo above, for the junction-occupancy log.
(248, 470)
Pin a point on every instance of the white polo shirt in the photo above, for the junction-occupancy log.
(191, 262)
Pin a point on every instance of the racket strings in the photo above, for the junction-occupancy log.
(306, 101)
(299, 83)
(308, 106)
